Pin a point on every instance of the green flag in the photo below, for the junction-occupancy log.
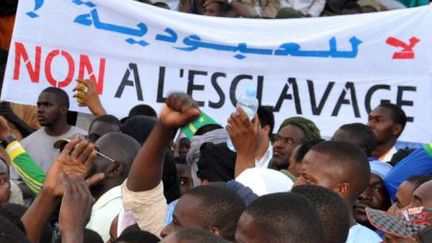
(190, 129)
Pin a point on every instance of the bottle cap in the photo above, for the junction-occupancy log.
(251, 91)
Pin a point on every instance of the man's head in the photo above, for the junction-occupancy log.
(5, 187)
(53, 106)
(184, 174)
(216, 163)
(280, 217)
(298, 155)
(402, 227)
(10, 233)
(142, 110)
(405, 191)
(193, 235)
(357, 134)
(120, 151)
(375, 195)
(215, 8)
(387, 121)
(292, 132)
(266, 118)
(332, 211)
(183, 147)
(213, 208)
(338, 166)
(102, 125)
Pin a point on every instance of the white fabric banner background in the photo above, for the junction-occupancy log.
(56, 42)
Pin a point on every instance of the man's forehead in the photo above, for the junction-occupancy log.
(424, 191)
(313, 157)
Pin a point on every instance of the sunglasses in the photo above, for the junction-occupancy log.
(60, 144)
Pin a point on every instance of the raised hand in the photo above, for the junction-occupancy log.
(75, 161)
(179, 110)
(87, 95)
(75, 208)
(244, 134)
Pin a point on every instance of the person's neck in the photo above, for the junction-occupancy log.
(382, 149)
(350, 211)
(262, 148)
(57, 129)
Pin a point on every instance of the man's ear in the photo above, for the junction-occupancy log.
(115, 169)
(397, 130)
(266, 129)
(64, 109)
(343, 189)
(215, 230)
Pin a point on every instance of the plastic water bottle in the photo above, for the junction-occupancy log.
(249, 104)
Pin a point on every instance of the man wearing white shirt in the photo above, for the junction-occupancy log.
(387, 121)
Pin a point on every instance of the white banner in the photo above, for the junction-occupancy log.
(333, 70)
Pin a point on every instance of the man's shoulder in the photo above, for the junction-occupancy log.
(360, 233)
(34, 135)
(76, 130)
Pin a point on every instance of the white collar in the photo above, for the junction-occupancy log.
(108, 196)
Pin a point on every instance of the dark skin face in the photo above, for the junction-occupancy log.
(295, 165)
(49, 111)
(4, 184)
(184, 173)
(382, 125)
(375, 196)
(185, 215)
(287, 139)
(100, 128)
(112, 170)
(403, 197)
(248, 232)
(183, 148)
(213, 9)
(315, 170)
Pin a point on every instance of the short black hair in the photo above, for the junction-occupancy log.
(220, 207)
(144, 110)
(361, 135)
(197, 235)
(351, 161)
(305, 147)
(13, 213)
(332, 211)
(184, 139)
(286, 217)
(10, 233)
(266, 117)
(398, 115)
(106, 118)
(91, 236)
(137, 236)
(61, 97)
(19, 211)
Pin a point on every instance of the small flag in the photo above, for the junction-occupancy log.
(190, 129)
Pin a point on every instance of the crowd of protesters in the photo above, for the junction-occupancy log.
(139, 179)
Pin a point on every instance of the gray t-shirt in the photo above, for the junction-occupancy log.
(40, 147)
